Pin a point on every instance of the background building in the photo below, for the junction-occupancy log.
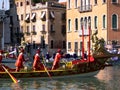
(101, 15)
(42, 24)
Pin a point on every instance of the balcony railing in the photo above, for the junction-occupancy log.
(86, 8)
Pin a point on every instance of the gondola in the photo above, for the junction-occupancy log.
(72, 68)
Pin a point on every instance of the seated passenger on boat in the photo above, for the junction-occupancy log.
(20, 60)
(37, 65)
(56, 61)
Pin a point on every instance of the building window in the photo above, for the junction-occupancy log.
(95, 2)
(104, 21)
(51, 44)
(114, 1)
(76, 24)
(85, 26)
(76, 46)
(85, 23)
(43, 27)
(85, 5)
(63, 30)
(104, 1)
(80, 45)
(27, 3)
(95, 22)
(33, 18)
(28, 29)
(81, 23)
(69, 25)
(52, 27)
(51, 15)
(34, 28)
(21, 17)
(43, 15)
(114, 21)
(21, 3)
(69, 4)
(69, 45)
(76, 2)
(64, 44)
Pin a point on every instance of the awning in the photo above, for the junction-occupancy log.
(43, 14)
(52, 14)
(33, 16)
(27, 17)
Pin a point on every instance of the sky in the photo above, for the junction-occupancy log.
(6, 4)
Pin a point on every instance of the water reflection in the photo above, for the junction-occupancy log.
(16, 86)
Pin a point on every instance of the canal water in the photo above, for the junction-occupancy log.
(106, 79)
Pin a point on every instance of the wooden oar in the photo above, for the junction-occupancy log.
(47, 71)
(12, 77)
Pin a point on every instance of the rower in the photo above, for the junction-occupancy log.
(37, 65)
(56, 61)
(20, 60)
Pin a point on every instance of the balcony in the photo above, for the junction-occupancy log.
(27, 33)
(87, 8)
(52, 31)
(34, 33)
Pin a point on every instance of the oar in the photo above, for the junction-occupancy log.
(12, 77)
(47, 71)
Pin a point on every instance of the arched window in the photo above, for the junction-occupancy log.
(69, 4)
(81, 23)
(76, 24)
(69, 25)
(85, 23)
(104, 21)
(114, 21)
(95, 22)
(76, 2)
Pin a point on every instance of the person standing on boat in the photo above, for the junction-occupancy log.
(20, 60)
(37, 65)
(57, 60)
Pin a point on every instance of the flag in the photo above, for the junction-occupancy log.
(3, 4)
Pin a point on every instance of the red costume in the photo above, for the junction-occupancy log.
(19, 61)
(37, 65)
(1, 57)
(56, 60)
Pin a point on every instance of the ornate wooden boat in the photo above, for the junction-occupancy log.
(73, 68)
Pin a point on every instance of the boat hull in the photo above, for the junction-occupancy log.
(53, 73)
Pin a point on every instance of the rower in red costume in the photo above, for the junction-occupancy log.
(37, 65)
(20, 60)
(57, 60)
(1, 57)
